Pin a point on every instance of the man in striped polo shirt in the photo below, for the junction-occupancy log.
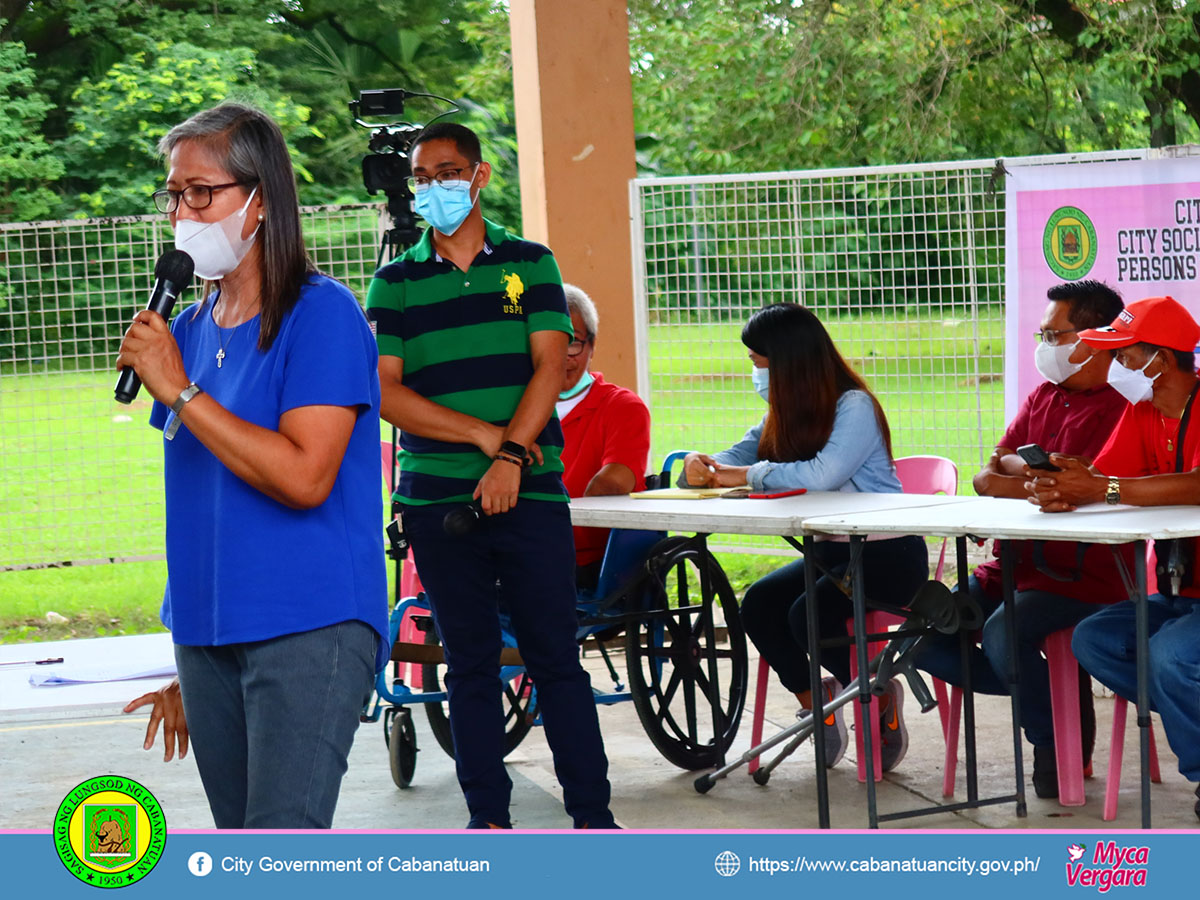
(472, 329)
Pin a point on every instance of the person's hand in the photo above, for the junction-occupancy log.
(150, 348)
(699, 470)
(1075, 486)
(493, 437)
(168, 710)
(729, 476)
(497, 489)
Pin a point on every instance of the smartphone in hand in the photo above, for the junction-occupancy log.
(1037, 458)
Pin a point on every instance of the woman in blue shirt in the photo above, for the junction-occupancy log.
(268, 397)
(823, 431)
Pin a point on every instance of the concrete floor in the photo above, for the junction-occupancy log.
(43, 758)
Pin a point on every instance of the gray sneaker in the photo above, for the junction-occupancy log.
(834, 732)
(893, 734)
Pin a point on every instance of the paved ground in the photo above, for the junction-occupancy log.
(42, 758)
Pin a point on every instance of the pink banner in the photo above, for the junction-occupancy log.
(1134, 225)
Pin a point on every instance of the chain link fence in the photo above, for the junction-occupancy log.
(905, 266)
(81, 477)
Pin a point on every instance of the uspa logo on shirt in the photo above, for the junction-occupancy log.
(1109, 866)
(109, 831)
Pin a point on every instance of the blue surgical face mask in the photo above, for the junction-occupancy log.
(761, 377)
(584, 382)
(446, 205)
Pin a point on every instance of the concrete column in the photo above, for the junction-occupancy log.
(574, 111)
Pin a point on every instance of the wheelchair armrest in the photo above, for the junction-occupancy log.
(662, 479)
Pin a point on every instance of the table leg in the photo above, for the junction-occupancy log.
(968, 695)
(1142, 613)
(1007, 568)
(858, 595)
(814, 680)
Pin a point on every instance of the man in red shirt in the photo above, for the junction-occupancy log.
(1073, 412)
(1152, 458)
(606, 433)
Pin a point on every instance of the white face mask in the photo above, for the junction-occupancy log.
(1053, 361)
(761, 378)
(217, 248)
(1132, 384)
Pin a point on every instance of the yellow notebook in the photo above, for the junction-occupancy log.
(678, 493)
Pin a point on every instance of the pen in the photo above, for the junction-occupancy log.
(33, 662)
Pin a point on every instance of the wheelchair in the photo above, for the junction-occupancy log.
(657, 597)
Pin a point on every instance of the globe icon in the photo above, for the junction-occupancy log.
(727, 863)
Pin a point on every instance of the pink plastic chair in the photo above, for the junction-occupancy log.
(918, 475)
(410, 582)
(1068, 734)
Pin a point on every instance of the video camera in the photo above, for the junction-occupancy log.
(387, 167)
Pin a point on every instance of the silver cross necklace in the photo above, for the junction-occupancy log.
(224, 342)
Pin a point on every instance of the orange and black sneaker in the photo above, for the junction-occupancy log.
(893, 734)
(834, 732)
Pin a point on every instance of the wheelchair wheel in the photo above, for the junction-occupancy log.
(668, 656)
(517, 699)
(402, 748)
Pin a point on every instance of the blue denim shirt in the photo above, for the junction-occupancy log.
(853, 459)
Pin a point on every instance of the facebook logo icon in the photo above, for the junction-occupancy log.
(199, 864)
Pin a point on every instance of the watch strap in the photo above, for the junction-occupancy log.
(1112, 495)
(180, 402)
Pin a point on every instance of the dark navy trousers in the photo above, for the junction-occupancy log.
(530, 551)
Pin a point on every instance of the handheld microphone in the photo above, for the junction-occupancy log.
(462, 520)
(172, 275)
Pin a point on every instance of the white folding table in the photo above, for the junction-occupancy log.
(785, 517)
(1011, 520)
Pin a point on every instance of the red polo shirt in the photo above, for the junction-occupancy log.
(1138, 447)
(1076, 423)
(609, 425)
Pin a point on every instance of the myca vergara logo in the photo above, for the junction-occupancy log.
(109, 831)
(1069, 242)
(1107, 866)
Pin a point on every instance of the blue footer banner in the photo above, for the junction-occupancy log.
(116, 846)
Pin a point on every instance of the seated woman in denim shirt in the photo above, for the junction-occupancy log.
(824, 431)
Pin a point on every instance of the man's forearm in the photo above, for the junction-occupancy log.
(537, 403)
(409, 411)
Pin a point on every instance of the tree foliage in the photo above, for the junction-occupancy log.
(27, 165)
(719, 85)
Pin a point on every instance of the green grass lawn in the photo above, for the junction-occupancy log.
(81, 475)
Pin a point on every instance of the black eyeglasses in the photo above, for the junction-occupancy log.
(446, 178)
(196, 196)
(576, 346)
(1050, 336)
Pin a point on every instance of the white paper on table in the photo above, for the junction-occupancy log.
(97, 674)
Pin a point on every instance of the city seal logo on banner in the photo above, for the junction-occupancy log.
(1069, 243)
(109, 831)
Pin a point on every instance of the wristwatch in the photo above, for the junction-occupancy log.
(512, 448)
(180, 402)
(1112, 495)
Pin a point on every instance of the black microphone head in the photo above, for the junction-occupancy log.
(175, 266)
(462, 520)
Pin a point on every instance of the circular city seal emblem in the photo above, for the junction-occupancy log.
(1069, 243)
(109, 831)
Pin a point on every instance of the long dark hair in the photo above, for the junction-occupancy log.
(250, 146)
(808, 375)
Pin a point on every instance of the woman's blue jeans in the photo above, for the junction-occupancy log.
(271, 722)
(774, 608)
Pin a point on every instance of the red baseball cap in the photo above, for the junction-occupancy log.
(1161, 321)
